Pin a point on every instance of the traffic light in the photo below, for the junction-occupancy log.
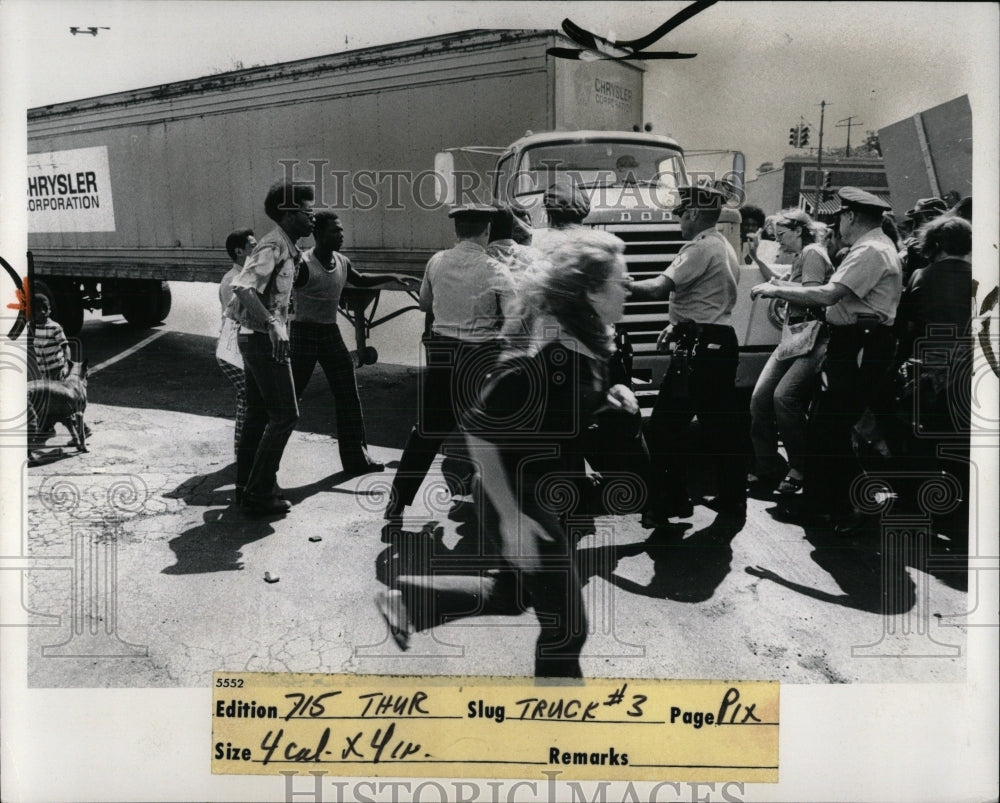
(827, 192)
(793, 136)
(803, 136)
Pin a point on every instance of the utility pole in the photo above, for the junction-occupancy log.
(819, 160)
(846, 123)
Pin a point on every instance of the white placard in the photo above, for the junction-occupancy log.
(70, 191)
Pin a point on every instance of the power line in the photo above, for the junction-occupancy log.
(846, 123)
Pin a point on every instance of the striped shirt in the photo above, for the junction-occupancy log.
(50, 345)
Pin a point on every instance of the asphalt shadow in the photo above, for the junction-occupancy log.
(872, 575)
(214, 545)
(178, 373)
(686, 567)
(203, 489)
(45, 455)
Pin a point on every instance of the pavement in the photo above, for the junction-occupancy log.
(170, 581)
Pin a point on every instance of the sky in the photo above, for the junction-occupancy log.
(760, 66)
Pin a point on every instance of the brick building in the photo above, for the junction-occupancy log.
(794, 183)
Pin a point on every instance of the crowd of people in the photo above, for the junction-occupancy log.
(866, 336)
(279, 320)
(522, 360)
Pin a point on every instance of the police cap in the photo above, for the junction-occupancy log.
(853, 198)
(564, 196)
(928, 206)
(699, 197)
(473, 212)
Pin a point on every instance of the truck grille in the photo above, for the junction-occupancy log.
(649, 249)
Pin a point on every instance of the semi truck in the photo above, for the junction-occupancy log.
(132, 190)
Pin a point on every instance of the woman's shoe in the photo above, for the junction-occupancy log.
(763, 481)
(790, 485)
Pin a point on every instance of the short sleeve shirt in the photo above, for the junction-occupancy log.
(275, 255)
(226, 286)
(467, 291)
(705, 274)
(871, 271)
(813, 267)
(48, 345)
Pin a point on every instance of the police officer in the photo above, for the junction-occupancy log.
(466, 292)
(702, 376)
(861, 298)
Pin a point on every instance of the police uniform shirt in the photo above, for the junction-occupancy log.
(467, 292)
(704, 274)
(316, 301)
(872, 273)
(275, 257)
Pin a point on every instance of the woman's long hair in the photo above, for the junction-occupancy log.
(797, 220)
(581, 261)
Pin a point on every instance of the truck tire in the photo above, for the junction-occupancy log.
(69, 302)
(146, 303)
(164, 301)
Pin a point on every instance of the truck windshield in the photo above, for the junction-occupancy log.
(598, 164)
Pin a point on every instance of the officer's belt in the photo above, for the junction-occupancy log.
(699, 330)
(864, 325)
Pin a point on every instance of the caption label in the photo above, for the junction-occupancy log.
(475, 727)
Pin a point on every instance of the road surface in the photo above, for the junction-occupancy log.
(174, 581)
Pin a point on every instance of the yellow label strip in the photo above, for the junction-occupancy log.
(475, 727)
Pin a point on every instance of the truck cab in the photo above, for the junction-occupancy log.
(632, 180)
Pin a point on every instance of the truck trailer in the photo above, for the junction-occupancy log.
(132, 190)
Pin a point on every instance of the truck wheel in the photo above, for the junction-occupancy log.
(164, 302)
(70, 305)
(146, 303)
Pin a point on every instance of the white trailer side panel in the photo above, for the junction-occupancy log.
(191, 161)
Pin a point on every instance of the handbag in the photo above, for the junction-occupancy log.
(798, 339)
(227, 348)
